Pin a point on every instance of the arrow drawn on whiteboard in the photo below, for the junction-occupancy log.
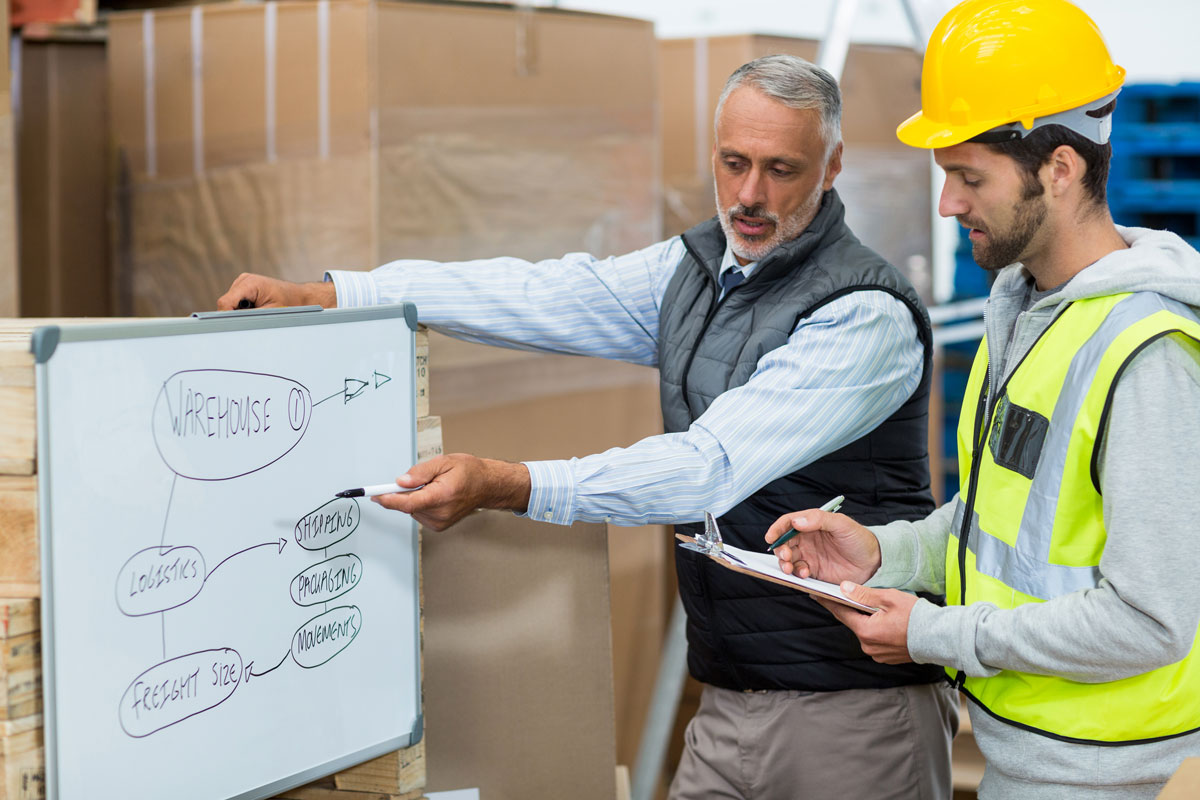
(279, 543)
(380, 379)
(250, 673)
(354, 387)
(323, 399)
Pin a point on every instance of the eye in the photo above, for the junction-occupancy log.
(972, 182)
(781, 172)
(732, 164)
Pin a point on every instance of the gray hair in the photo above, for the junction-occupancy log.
(797, 84)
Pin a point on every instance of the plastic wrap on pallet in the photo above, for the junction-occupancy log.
(338, 156)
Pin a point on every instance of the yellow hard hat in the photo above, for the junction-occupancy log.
(995, 62)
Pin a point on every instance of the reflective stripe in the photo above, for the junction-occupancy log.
(1019, 570)
(1026, 567)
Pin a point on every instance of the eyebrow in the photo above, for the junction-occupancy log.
(790, 162)
(948, 168)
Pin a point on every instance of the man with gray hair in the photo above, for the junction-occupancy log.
(794, 366)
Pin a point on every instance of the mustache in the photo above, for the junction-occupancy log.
(758, 212)
(967, 222)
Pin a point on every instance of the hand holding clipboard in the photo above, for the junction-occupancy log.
(764, 566)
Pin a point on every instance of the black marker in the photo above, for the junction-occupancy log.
(245, 303)
(374, 491)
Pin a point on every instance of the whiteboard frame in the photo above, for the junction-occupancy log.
(43, 344)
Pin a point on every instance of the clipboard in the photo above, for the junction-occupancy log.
(763, 566)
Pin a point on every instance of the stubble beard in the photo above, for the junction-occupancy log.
(1003, 248)
(755, 248)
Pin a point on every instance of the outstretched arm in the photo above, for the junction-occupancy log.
(806, 399)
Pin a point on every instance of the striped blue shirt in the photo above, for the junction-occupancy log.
(844, 370)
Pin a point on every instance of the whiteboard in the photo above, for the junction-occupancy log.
(215, 623)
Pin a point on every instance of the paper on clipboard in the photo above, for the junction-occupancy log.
(766, 567)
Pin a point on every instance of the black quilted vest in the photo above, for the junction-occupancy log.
(751, 634)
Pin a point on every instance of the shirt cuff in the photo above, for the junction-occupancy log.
(551, 492)
(897, 556)
(354, 289)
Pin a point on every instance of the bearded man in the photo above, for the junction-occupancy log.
(794, 366)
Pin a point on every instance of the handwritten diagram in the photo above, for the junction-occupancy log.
(216, 425)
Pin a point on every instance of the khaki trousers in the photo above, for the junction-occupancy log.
(848, 745)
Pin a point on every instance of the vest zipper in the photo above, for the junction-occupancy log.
(985, 407)
(981, 411)
(712, 312)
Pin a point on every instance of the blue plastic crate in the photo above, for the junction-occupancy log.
(1160, 165)
(1157, 103)
(1151, 195)
(954, 385)
(1181, 221)
(970, 280)
(1157, 138)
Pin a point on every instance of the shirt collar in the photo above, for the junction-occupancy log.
(728, 262)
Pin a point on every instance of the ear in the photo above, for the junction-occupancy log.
(833, 167)
(1064, 169)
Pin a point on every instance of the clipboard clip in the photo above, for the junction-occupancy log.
(709, 543)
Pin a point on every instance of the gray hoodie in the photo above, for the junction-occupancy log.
(1146, 610)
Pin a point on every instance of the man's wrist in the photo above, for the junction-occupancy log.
(510, 485)
(320, 293)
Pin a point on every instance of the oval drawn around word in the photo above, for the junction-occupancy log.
(178, 688)
(325, 635)
(218, 424)
(328, 524)
(327, 580)
(159, 578)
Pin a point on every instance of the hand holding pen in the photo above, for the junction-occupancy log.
(832, 506)
(818, 543)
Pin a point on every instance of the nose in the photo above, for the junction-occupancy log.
(951, 202)
(752, 192)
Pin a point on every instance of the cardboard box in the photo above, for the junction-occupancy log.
(63, 173)
(524, 406)
(884, 185)
(25, 12)
(8, 230)
(1185, 783)
(293, 137)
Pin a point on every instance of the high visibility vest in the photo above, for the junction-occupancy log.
(1029, 523)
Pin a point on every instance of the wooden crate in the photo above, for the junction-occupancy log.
(22, 771)
(22, 762)
(394, 776)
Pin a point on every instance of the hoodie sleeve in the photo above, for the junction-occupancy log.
(913, 554)
(1145, 612)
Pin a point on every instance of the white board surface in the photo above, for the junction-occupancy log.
(216, 624)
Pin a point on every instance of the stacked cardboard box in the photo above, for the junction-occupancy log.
(292, 137)
(394, 776)
(62, 172)
(8, 229)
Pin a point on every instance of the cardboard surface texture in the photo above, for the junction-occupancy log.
(1185, 783)
(9, 287)
(330, 153)
(63, 174)
(518, 680)
(539, 406)
(8, 230)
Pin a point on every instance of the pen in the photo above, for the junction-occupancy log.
(373, 491)
(832, 505)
